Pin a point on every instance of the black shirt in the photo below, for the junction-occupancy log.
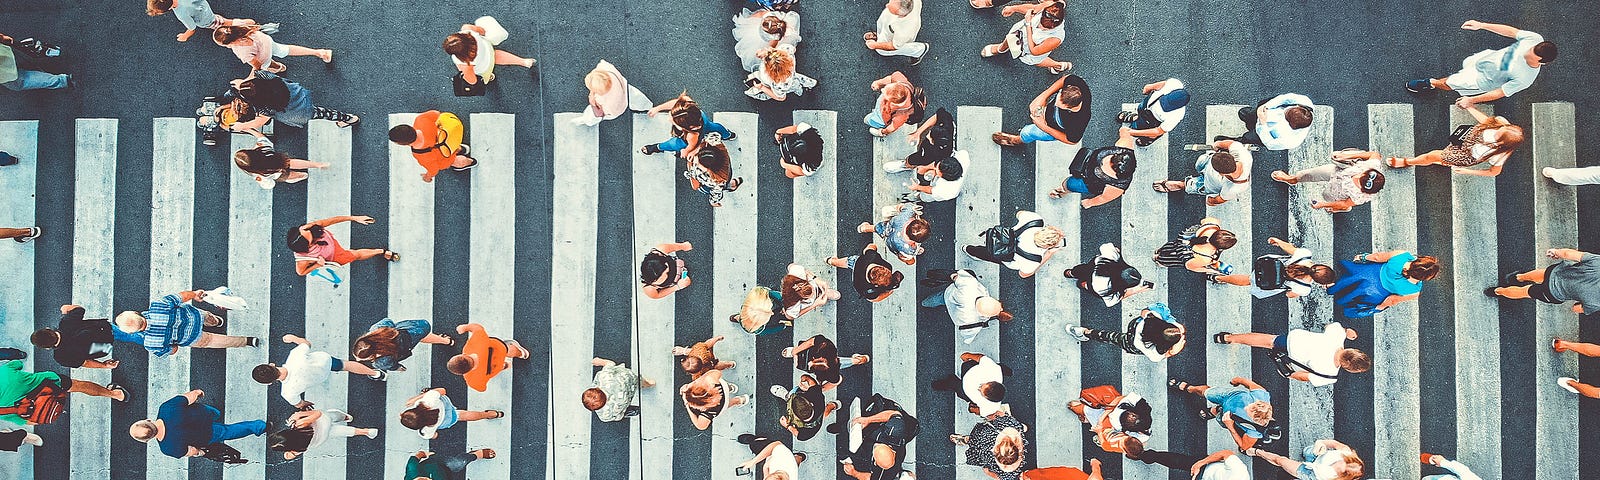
(897, 431)
(1069, 122)
(79, 338)
(868, 290)
(1086, 166)
(931, 151)
(824, 349)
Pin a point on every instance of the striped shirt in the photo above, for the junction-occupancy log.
(173, 323)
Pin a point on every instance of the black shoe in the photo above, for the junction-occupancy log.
(1510, 280)
(463, 169)
(1489, 292)
(730, 136)
(9, 353)
(1207, 414)
(631, 411)
(1220, 337)
(747, 438)
(1127, 116)
(252, 341)
(465, 151)
(650, 150)
(834, 429)
(918, 59)
(380, 376)
(1421, 85)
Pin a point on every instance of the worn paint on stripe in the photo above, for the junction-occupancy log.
(250, 276)
(1395, 336)
(896, 316)
(977, 209)
(1144, 229)
(17, 186)
(327, 308)
(1554, 226)
(493, 262)
(171, 265)
(411, 207)
(572, 290)
(1472, 225)
(1311, 409)
(1228, 307)
(816, 221)
(1057, 371)
(93, 265)
(735, 274)
(654, 184)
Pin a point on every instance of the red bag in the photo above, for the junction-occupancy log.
(1100, 397)
(1055, 473)
(41, 406)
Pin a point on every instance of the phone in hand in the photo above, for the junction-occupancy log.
(741, 470)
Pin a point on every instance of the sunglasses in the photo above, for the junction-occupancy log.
(1369, 180)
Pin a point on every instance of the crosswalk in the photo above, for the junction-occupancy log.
(578, 312)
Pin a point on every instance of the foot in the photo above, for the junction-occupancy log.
(33, 439)
(9, 353)
(1167, 186)
(896, 166)
(958, 439)
(1127, 116)
(1221, 338)
(650, 150)
(528, 63)
(1179, 385)
(1079, 333)
(788, 352)
(1063, 67)
(485, 453)
(379, 376)
(869, 37)
(118, 393)
(372, 433)
(731, 136)
(989, 50)
(1284, 177)
(1397, 162)
(1057, 193)
(918, 59)
(1566, 383)
(1429, 459)
(354, 119)
(1490, 292)
(1421, 85)
(861, 358)
(733, 186)
(779, 391)
(252, 341)
(495, 413)
(466, 167)
(739, 400)
(865, 227)
(1511, 280)
(1005, 139)
(33, 232)
(466, 150)
(875, 131)
(746, 438)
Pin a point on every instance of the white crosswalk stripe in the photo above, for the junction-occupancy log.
(736, 273)
(1311, 414)
(572, 290)
(249, 274)
(653, 218)
(1395, 336)
(327, 308)
(411, 210)
(896, 316)
(1144, 229)
(493, 265)
(20, 138)
(171, 265)
(977, 209)
(1554, 226)
(816, 216)
(93, 268)
(1056, 376)
(1477, 322)
(1228, 307)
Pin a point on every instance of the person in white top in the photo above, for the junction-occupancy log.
(1353, 177)
(306, 429)
(610, 95)
(1221, 174)
(938, 181)
(1277, 123)
(760, 29)
(969, 304)
(1164, 105)
(980, 382)
(897, 30)
(431, 411)
(1033, 243)
(781, 462)
(1041, 30)
(1458, 471)
(1490, 141)
(1322, 460)
(304, 370)
(1300, 273)
(1316, 357)
(472, 50)
(1491, 75)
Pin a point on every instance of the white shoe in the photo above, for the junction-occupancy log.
(33, 439)
(896, 166)
(1548, 172)
(372, 433)
(1566, 383)
(1079, 333)
(779, 391)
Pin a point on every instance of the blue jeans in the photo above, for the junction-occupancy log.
(36, 80)
(1032, 133)
(678, 143)
(222, 432)
(875, 119)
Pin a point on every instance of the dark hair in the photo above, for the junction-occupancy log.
(1424, 268)
(402, 134)
(993, 391)
(594, 398)
(1052, 13)
(264, 373)
(1123, 163)
(260, 162)
(1223, 240)
(1319, 273)
(1160, 333)
(419, 416)
(715, 160)
(379, 342)
(1134, 421)
(1376, 181)
(460, 364)
(1356, 361)
(1126, 278)
(1546, 51)
(298, 243)
(46, 338)
(1072, 95)
(653, 266)
(461, 45)
(1299, 116)
(290, 439)
(950, 168)
(227, 34)
(801, 407)
(917, 229)
(1223, 162)
(270, 93)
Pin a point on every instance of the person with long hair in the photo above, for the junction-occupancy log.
(903, 229)
(473, 51)
(315, 247)
(996, 444)
(754, 30)
(1299, 275)
(388, 343)
(271, 167)
(1199, 249)
(1322, 460)
(897, 105)
(799, 149)
(1490, 141)
(777, 78)
(263, 97)
(701, 358)
(691, 126)
(710, 171)
(1401, 275)
(1154, 333)
(662, 273)
(707, 396)
(803, 292)
(306, 429)
(194, 15)
(257, 49)
(610, 95)
(1041, 29)
(431, 411)
(1354, 177)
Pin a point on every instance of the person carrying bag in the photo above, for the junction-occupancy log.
(41, 406)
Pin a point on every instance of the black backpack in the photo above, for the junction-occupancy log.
(1001, 241)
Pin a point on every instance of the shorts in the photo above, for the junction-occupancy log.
(1032, 133)
(1541, 291)
(448, 415)
(1075, 185)
(338, 365)
(1281, 343)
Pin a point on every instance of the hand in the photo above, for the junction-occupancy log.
(1148, 88)
(911, 139)
(427, 177)
(1552, 253)
(1350, 333)
(1472, 25)
(195, 452)
(289, 338)
(1464, 103)
(1274, 241)
(363, 219)
(111, 363)
(68, 307)
(682, 284)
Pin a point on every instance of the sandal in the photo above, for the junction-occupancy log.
(354, 119)
(1161, 187)
(1179, 385)
(497, 414)
(960, 440)
(1397, 162)
(1058, 193)
(1061, 69)
(1220, 338)
(787, 352)
(1208, 414)
(391, 256)
(989, 51)
(488, 453)
(1284, 177)
(1005, 140)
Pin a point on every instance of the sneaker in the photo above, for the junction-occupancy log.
(466, 150)
(1079, 333)
(875, 131)
(650, 150)
(372, 433)
(33, 232)
(252, 341)
(779, 391)
(743, 399)
(7, 160)
(896, 166)
(747, 438)
(1421, 85)
(9, 353)
(463, 169)
(1566, 383)
(1489, 292)
(909, 197)
(380, 376)
(33, 439)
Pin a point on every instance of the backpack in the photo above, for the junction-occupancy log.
(1001, 241)
(1178, 251)
(41, 406)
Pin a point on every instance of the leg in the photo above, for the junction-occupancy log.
(14, 233)
(981, 253)
(1175, 461)
(717, 128)
(935, 300)
(1316, 174)
(1238, 279)
(325, 113)
(1054, 64)
(672, 145)
(222, 432)
(950, 383)
(299, 164)
(1586, 390)
(299, 51)
(502, 57)
(1573, 176)
(96, 390)
(1585, 349)
(1431, 158)
(36, 80)
(474, 415)
(366, 253)
(1514, 293)
(1535, 276)
(343, 431)
(1257, 340)
(457, 464)
(357, 368)
(213, 340)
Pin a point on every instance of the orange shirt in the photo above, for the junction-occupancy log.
(439, 137)
(491, 354)
(1055, 473)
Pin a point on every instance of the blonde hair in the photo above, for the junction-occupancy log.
(156, 8)
(1260, 412)
(597, 81)
(126, 320)
(778, 63)
(757, 303)
(1049, 237)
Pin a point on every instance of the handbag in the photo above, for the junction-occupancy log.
(1459, 136)
(41, 406)
(328, 271)
(1287, 366)
(224, 297)
(223, 453)
(463, 88)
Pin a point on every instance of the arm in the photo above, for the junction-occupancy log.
(1569, 254)
(471, 329)
(1105, 196)
(194, 395)
(1035, 269)
(971, 357)
(664, 106)
(1498, 29)
(1379, 257)
(1484, 97)
(675, 247)
(1246, 383)
(1394, 299)
(1477, 115)
(765, 452)
(1288, 248)
(1342, 205)
(296, 339)
(1301, 376)
(601, 362)
(879, 418)
(1492, 171)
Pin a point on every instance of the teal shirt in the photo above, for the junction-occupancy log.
(416, 468)
(1393, 279)
(16, 383)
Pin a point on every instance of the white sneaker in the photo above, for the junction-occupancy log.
(1548, 172)
(779, 391)
(372, 433)
(896, 166)
(1079, 333)
(34, 439)
(1566, 383)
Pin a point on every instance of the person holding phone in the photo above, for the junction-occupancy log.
(776, 460)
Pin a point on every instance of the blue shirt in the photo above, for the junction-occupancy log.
(891, 231)
(188, 425)
(194, 13)
(1235, 403)
(1393, 278)
(173, 323)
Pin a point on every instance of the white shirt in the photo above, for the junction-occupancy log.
(1102, 284)
(1479, 150)
(900, 30)
(961, 300)
(306, 369)
(781, 460)
(431, 400)
(949, 189)
(1025, 243)
(1231, 190)
(1317, 350)
(1506, 68)
(484, 61)
(1274, 130)
(1169, 120)
(1230, 468)
(986, 371)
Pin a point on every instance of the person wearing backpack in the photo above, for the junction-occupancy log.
(1023, 247)
(36, 398)
(885, 430)
(1163, 107)
(1199, 249)
(1306, 355)
(316, 248)
(1221, 174)
(1119, 423)
(902, 228)
(935, 139)
(899, 103)
(1244, 408)
(690, 125)
(1100, 175)
(1292, 274)
(967, 301)
(1154, 333)
(799, 149)
(872, 276)
(436, 140)
(662, 273)
(1109, 277)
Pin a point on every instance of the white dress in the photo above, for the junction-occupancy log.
(749, 38)
(796, 84)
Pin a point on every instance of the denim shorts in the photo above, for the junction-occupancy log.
(415, 328)
(447, 413)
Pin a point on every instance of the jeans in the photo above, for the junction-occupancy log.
(1575, 176)
(678, 143)
(222, 432)
(37, 80)
(1032, 133)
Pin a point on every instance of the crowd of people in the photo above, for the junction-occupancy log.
(766, 36)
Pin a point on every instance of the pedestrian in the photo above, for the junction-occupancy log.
(1060, 113)
(1041, 29)
(610, 95)
(387, 343)
(473, 51)
(819, 357)
(902, 229)
(1154, 333)
(799, 149)
(264, 96)
(258, 50)
(1163, 107)
(691, 126)
(872, 276)
(710, 170)
(306, 429)
(173, 322)
(980, 382)
(967, 301)
(754, 30)
(1490, 141)
(1378, 280)
(996, 444)
(1277, 123)
(1024, 246)
(21, 235)
(316, 248)
(1573, 176)
(883, 429)
(305, 370)
(1322, 460)
(935, 139)
(1306, 355)
(707, 396)
(896, 31)
(939, 181)
(777, 78)
(1221, 174)
(426, 464)
(756, 313)
(1292, 274)
(776, 460)
(77, 342)
(269, 167)
(899, 103)
(1243, 408)
(482, 356)
(16, 78)
(437, 141)
(1118, 423)
(197, 14)
(1585, 349)
(615, 386)
(1100, 175)
(12, 440)
(184, 427)
(431, 411)
(701, 358)
(1491, 75)
(1458, 471)
(661, 272)
(805, 408)
(775, 5)
(1109, 277)
(27, 397)
(1199, 249)
(803, 292)
(1354, 177)
(1066, 473)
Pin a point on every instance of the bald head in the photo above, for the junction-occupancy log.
(884, 456)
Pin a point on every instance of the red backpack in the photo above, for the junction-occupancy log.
(41, 406)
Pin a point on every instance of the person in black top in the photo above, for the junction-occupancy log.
(936, 140)
(874, 279)
(1104, 172)
(819, 357)
(886, 430)
(799, 149)
(805, 407)
(1109, 276)
(77, 342)
(1060, 114)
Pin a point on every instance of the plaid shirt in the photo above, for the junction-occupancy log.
(173, 323)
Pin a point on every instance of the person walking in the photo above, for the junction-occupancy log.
(1383, 279)
(258, 50)
(316, 248)
(197, 14)
(896, 31)
(1059, 113)
(777, 461)
(1576, 278)
(16, 78)
(903, 229)
(872, 276)
(305, 370)
(1322, 460)
(77, 342)
(25, 396)
(662, 273)
(1458, 470)
(1221, 174)
(184, 427)
(1108, 276)
(431, 466)
(1292, 274)
(709, 169)
(437, 141)
(935, 139)
(1572, 176)
(754, 30)
(967, 301)
(610, 95)
(173, 322)
(980, 382)
(1353, 177)
(899, 103)
(1491, 75)
(1100, 175)
(1278, 123)
(263, 96)
(1490, 141)
(387, 343)
(1154, 333)
(472, 50)
(996, 444)
(805, 407)
(1024, 246)
(269, 167)
(701, 358)
(1163, 107)
(431, 411)
(803, 292)
(884, 428)
(939, 181)
(777, 78)
(690, 125)
(1199, 249)
(799, 149)
(1312, 357)
(307, 429)
(21, 235)
(707, 396)
(483, 356)
(1118, 423)
(1243, 408)
(1066, 473)
(615, 386)
(819, 357)
(1041, 29)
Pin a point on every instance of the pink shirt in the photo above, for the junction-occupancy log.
(326, 252)
(259, 50)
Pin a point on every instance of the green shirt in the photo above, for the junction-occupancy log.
(8, 64)
(15, 384)
(416, 468)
